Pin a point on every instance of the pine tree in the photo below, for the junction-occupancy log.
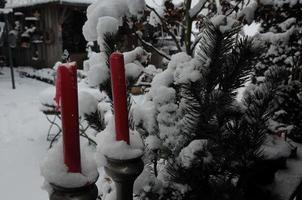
(280, 30)
(199, 123)
(200, 141)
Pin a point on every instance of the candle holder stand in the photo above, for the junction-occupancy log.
(124, 173)
(87, 192)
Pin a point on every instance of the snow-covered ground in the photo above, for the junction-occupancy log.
(287, 180)
(23, 144)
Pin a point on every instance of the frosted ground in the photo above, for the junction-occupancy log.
(23, 144)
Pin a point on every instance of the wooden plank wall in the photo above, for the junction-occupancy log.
(52, 52)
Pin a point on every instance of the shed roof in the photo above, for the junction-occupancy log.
(28, 3)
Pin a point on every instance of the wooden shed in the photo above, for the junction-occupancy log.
(45, 28)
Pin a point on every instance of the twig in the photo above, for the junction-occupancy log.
(188, 21)
(233, 9)
(152, 47)
(165, 26)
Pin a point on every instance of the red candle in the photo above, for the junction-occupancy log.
(67, 96)
(118, 83)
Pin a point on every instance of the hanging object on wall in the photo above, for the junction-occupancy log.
(25, 40)
(49, 36)
(12, 38)
(37, 37)
(35, 56)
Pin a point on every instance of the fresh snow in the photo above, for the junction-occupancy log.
(108, 146)
(56, 172)
(191, 154)
(116, 9)
(106, 25)
(20, 3)
(287, 180)
(22, 138)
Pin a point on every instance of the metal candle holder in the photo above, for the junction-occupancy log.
(124, 173)
(87, 192)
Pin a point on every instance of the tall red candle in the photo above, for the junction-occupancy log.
(118, 83)
(68, 102)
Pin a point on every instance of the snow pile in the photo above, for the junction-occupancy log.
(146, 182)
(95, 92)
(224, 23)
(287, 23)
(88, 99)
(276, 37)
(190, 155)
(106, 25)
(46, 75)
(98, 70)
(105, 109)
(187, 72)
(108, 146)
(287, 180)
(116, 9)
(138, 54)
(280, 3)
(133, 70)
(248, 12)
(56, 172)
(19, 3)
(47, 97)
(87, 103)
(153, 142)
(143, 114)
(161, 100)
(275, 147)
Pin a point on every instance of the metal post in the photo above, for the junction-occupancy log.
(89, 192)
(124, 173)
(10, 55)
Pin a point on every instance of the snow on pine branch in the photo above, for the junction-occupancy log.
(197, 8)
(116, 9)
(276, 37)
(19, 3)
(190, 154)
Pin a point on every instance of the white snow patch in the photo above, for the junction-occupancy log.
(153, 142)
(287, 180)
(189, 155)
(275, 147)
(87, 103)
(56, 172)
(108, 146)
(133, 70)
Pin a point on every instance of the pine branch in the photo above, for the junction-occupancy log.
(239, 66)
(189, 108)
(215, 47)
(94, 121)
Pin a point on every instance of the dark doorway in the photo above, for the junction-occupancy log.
(73, 39)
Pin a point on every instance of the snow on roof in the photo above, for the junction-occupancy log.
(25, 3)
